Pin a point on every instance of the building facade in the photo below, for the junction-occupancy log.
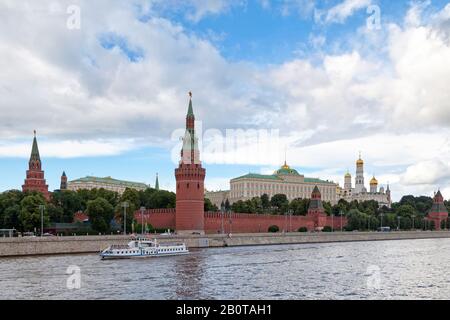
(35, 180)
(283, 181)
(190, 178)
(106, 183)
(360, 193)
(217, 197)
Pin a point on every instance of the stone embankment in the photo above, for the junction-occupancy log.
(93, 244)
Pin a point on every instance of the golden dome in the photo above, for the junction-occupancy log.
(359, 162)
(285, 166)
(373, 181)
(348, 175)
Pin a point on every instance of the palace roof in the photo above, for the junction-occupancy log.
(111, 181)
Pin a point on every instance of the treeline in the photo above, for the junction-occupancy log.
(22, 211)
(409, 212)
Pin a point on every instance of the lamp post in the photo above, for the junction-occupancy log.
(332, 221)
(42, 208)
(341, 213)
(222, 211)
(125, 205)
(398, 223)
(413, 221)
(381, 220)
(231, 222)
(290, 219)
(142, 220)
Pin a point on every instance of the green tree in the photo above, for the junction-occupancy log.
(100, 213)
(280, 202)
(299, 206)
(70, 202)
(209, 206)
(30, 213)
(273, 229)
(10, 209)
(265, 202)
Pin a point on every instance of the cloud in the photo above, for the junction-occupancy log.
(69, 148)
(430, 172)
(345, 9)
(123, 78)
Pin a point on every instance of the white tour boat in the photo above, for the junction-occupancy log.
(141, 248)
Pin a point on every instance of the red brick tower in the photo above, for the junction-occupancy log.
(190, 177)
(438, 212)
(35, 180)
(316, 210)
(63, 185)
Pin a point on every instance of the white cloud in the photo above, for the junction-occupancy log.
(429, 172)
(345, 9)
(69, 148)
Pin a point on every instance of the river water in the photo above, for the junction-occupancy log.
(407, 269)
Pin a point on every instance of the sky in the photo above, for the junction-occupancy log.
(105, 85)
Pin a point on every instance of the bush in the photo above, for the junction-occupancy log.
(274, 229)
(303, 229)
(327, 229)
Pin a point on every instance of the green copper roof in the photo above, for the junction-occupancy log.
(287, 171)
(111, 181)
(275, 177)
(190, 109)
(35, 150)
(259, 176)
(157, 183)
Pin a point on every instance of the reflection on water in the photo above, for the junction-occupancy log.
(188, 276)
(410, 269)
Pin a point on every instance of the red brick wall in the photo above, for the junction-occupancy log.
(238, 223)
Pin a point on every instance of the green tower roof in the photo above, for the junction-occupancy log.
(35, 150)
(190, 109)
(157, 183)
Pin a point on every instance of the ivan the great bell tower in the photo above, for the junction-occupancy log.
(190, 177)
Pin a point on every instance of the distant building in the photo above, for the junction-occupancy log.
(63, 185)
(360, 192)
(438, 212)
(217, 197)
(316, 211)
(35, 180)
(106, 183)
(283, 181)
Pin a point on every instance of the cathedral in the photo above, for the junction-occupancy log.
(360, 192)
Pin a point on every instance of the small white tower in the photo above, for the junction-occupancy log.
(359, 180)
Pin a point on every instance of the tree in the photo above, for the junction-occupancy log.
(280, 202)
(299, 206)
(70, 201)
(227, 205)
(209, 206)
(162, 199)
(265, 202)
(30, 212)
(100, 213)
(273, 229)
(10, 209)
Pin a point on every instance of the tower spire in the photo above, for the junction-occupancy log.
(157, 182)
(35, 150)
(190, 109)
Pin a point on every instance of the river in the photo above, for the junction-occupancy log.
(404, 269)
